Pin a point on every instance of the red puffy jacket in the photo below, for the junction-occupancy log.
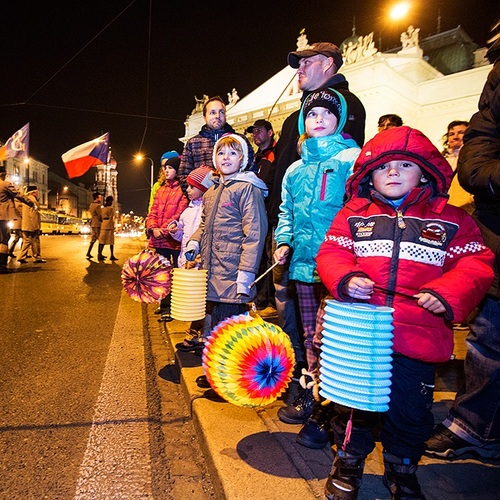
(424, 245)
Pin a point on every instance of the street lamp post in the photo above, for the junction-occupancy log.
(58, 197)
(141, 157)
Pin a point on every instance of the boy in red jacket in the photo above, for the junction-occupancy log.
(397, 231)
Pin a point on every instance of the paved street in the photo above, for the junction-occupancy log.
(96, 404)
(80, 413)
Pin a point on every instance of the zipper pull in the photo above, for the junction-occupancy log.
(401, 222)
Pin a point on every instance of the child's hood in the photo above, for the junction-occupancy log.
(400, 143)
(251, 177)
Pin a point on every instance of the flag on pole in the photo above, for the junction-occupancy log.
(78, 160)
(17, 146)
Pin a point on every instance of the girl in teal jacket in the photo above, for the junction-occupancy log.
(313, 192)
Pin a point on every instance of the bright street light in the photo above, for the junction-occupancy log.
(400, 10)
(140, 157)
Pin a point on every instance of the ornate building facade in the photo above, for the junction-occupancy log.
(428, 83)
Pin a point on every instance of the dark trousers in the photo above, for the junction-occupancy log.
(408, 422)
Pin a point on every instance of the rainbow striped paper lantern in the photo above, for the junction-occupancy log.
(248, 361)
(356, 355)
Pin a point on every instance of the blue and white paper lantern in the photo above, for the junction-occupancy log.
(356, 355)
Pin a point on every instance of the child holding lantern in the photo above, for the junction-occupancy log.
(232, 232)
(397, 236)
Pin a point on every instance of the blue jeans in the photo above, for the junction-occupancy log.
(408, 422)
(475, 414)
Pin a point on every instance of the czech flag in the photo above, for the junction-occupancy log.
(17, 146)
(78, 160)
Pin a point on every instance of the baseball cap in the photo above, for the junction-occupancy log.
(259, 123)
(325, 48)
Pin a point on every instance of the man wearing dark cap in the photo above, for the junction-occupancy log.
(317, 67)
(8, 193)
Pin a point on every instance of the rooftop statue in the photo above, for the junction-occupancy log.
(409, 38)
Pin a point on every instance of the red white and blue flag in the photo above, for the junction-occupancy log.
(78, 160)
(17, 146)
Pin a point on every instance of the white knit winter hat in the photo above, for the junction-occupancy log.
(244, 147)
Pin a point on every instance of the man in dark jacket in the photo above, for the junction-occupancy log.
(473, 422)
(317, 67)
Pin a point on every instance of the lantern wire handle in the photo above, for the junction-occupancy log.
(264, 273)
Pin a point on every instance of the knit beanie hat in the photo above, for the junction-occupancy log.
(29, 189)
(167, 155)
(325, 98)
(173, 162)
(201, 178)
(243, 144)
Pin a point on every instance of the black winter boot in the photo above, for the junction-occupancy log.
(100, 256)
(315, 432)
(4, 257)
(400, 478)
(89, 256)
(345, 477)
(112, 247)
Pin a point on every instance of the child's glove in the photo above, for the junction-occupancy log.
(243, 282)
(192, 250)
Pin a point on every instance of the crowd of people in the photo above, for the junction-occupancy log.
(393, 221)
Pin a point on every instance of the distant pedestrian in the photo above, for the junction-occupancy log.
(95, 221)
(8, 193)
(31, 228)
(107, 232)
(16, 228)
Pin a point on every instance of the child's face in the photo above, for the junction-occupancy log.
(228, 161)
(193, 192)
(396, 178)
(170, 172)
(320, 122)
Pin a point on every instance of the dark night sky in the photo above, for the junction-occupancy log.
(76, 69)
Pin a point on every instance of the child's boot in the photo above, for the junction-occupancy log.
(315, 432)
(400, 478)
(345, 477)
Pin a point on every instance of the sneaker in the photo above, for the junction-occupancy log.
(315, 432)
(400, 478)
(446, 444)
(22, 261)
(39, 261)
(345, 477)
(300, 410)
